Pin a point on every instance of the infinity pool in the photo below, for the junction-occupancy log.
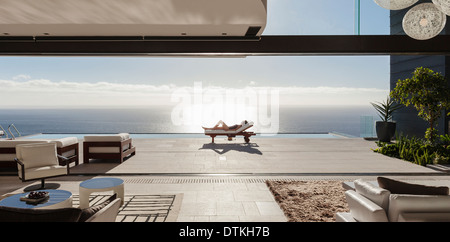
(168, 136)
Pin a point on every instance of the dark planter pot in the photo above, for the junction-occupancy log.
(385, 130)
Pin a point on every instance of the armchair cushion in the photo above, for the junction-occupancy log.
(45, 171)
(399, 187)
(37, 155)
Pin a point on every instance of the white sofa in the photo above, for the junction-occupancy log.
(67, 147)
(116, 146)
(102, 213)
(371, 203)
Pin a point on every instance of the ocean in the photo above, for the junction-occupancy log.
(291, 119)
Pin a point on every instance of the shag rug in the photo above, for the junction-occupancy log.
(309, 201)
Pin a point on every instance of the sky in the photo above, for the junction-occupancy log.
(30, 82)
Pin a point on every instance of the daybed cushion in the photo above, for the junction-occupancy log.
(378, 195)
(63, 142)
(13, 144)
(107, 149)
(399, 187)
(8, 214)
(107, 138)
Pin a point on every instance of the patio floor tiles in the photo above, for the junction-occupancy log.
(257, 196)
(230, 208)
(269, 208)
(207, 196)
(198, 209)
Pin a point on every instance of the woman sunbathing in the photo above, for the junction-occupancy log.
(225, 126)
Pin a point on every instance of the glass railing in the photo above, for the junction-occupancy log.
(367, 127)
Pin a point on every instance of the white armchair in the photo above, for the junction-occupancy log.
(371, 203)
(39, 161)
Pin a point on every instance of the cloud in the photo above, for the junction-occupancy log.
(43, 92)
(21, 77)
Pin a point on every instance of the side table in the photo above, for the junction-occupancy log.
(100, 185)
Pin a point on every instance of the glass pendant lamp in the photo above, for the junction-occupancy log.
(424, 21)
(395, 4)
(443, 5)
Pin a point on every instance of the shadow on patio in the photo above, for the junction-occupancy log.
(250, 148)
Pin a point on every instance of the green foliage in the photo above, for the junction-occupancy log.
(385, 110)
(445, 140)
(416, 150)
(428, 92)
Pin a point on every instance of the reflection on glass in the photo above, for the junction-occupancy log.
(326, 17)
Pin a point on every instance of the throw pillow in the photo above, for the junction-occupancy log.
(88, 212)
(399, 187)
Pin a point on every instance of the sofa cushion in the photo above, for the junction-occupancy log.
(8, 214)
(90, 211)
(399, 187)
(411, 205)
(363, 209)
(378, 195)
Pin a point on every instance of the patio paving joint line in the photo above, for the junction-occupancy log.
(271, 174)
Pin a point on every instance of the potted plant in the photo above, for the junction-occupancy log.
(429, 93)
(386, 127)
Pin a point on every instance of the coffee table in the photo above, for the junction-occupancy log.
(100, 185)
(57, 199)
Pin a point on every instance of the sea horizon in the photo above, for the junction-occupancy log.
(158, 120)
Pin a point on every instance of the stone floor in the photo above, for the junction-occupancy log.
(225, 181)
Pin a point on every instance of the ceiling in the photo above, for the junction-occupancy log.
(132, 17)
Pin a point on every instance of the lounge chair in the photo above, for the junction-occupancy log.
(117, 146)
(240, 130)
